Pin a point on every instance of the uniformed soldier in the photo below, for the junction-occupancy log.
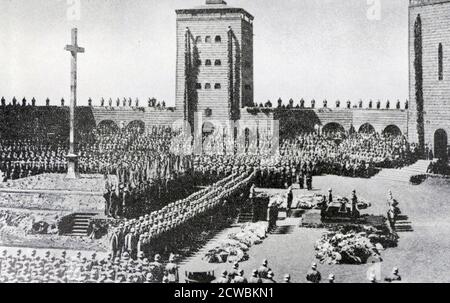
(240, 279)
(331, 278)
(290, 199)
(172, 270)
(269, 278)
(301, 180)
(234, 271)
(313, 275)
(309, 179)
(157, 268)
(263, 270)
(395, 276)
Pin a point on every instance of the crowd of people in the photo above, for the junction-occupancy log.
(29, 157)
(146, 234)
(32, 268)
(310, 154)
(141, 172)
(22, 268)
(354, 155)
(440, 167)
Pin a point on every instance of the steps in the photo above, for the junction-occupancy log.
(80, 224)
(404, 174)
(245, 216)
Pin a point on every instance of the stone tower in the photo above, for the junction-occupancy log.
(214, 75)
(429, 74)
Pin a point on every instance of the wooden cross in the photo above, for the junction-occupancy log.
(74, 49)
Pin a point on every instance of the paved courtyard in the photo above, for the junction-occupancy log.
(421, 254)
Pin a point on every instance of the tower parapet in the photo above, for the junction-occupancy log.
(413, 3)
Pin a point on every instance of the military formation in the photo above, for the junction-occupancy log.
(155, 231)
(32, 268)
(30, 157)
(264, 274)
(62, 268)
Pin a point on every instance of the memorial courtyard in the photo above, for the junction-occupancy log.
(420, 255)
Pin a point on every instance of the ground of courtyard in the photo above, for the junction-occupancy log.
(421, 254)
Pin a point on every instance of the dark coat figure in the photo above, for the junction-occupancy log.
(255, 278)
(273, 216)
(263, 270)
(114, 244)
(309, 178)
(290, 199)
(130, 244)
(157, 269)
(114, 204)
(301, 180)
(313, 276)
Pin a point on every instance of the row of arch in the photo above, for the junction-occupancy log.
(113, 126)
(365, 128)
(329, 127)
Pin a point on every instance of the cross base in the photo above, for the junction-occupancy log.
(72, 161)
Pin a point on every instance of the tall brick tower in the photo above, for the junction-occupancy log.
(429, 74)
(214, 74)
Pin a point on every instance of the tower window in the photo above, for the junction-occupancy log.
(217, 86)
(198, 86)
(208, 39)
(198, 62)
(208, 62)
(218, 62)
(218, 39)
(198, 39)
(208, 86)
(441, 62)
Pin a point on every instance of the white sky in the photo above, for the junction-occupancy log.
(303, 48)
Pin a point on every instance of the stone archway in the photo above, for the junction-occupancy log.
(108, 125)
(366, 128)
(393, 130)
(333, 127)
(441, 144)
(136, 125)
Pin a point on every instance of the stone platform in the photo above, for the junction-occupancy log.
(54, 192)
(48, 200)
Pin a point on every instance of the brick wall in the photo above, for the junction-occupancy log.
(435, 17)
(214, 24)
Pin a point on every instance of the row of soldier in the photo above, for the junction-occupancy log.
(29, 157)
(32, 268)
(151, 102)
(142, 235)
(302, 104)
(23, 268)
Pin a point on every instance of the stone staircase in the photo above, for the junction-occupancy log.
(245, 216)
(80, 224)
(404, 174)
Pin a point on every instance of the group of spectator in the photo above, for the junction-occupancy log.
(22, 268)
